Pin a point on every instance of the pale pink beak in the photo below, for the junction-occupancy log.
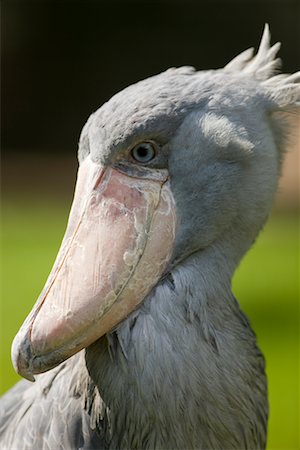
(117, 246)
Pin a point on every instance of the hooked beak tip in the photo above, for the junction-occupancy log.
(21, 355)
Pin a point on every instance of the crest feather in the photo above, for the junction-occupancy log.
(263, 65)
(284, 89)
(239, 62)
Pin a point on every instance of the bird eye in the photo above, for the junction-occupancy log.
(143, 152)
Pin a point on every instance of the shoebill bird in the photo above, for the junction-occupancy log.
(136, 341)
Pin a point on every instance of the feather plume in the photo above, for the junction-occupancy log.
(283, 89)
(261, 66)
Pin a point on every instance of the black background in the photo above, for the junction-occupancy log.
(62, 59)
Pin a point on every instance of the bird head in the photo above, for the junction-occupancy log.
(179, 163)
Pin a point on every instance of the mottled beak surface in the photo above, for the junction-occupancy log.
(117, 245)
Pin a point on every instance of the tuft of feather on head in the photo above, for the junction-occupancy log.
(282, 89)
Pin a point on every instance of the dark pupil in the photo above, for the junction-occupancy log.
(142, 152)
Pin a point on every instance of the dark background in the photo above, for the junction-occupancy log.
(62, 59)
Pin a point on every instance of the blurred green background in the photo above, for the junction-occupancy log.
(60, 61)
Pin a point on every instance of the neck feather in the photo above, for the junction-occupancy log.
(182, 371)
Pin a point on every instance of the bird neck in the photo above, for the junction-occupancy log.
(178, 362)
